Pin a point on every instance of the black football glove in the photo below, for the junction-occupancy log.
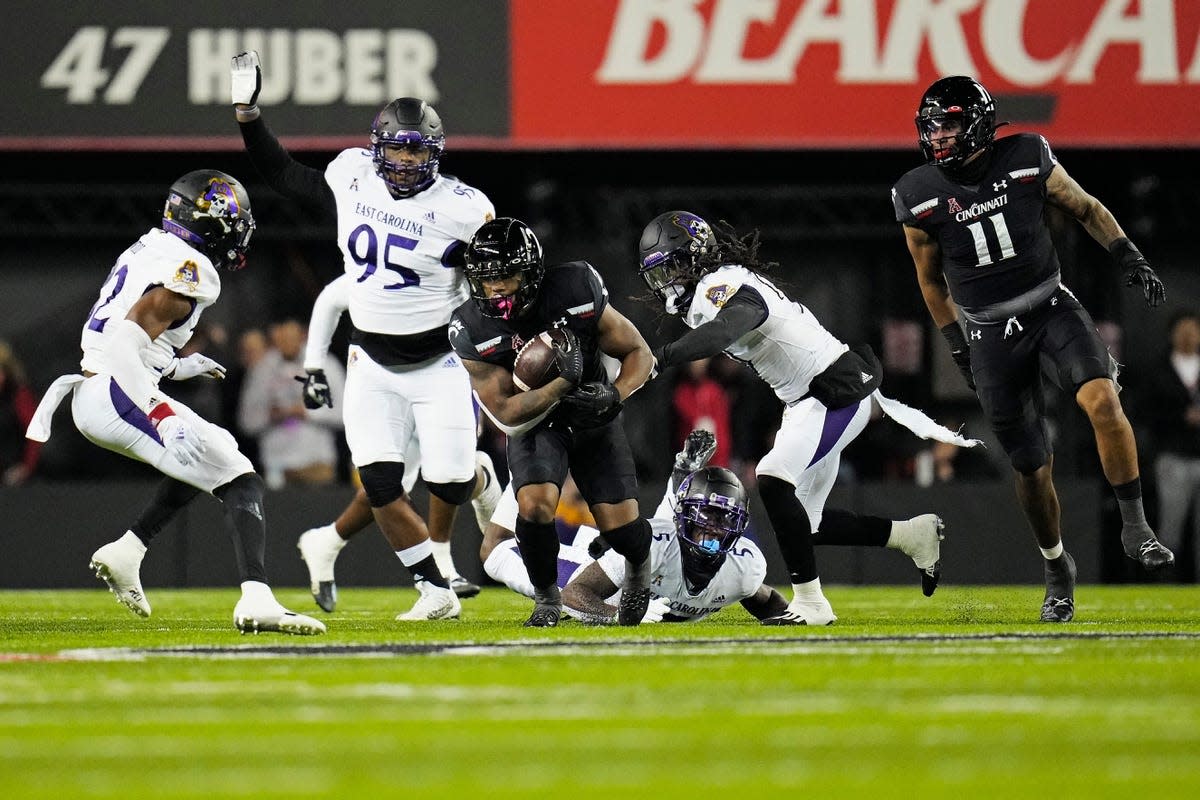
(598, 547)
(568, 356)
(696, 452)
(960, 351)
(1137, 270)
(316, 389)
(592, 404)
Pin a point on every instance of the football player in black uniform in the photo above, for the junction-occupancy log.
(973, 221)
(571, 422)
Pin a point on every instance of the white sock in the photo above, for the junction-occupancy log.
(504, 564)
(445, 562)
(898, 537)
(257, 591)
(808, 591)
(1053, 552)
(131, 540)
(411, 556)
(329, 532)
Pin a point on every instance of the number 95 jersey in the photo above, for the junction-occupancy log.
(399, 251)
(995, 244)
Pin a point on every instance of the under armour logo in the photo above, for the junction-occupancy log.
(999, 185)
(976, 334)
(865, 377)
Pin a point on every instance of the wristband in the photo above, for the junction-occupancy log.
(1125, 253)
(954, 336)
(159, 413)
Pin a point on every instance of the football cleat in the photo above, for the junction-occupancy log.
(547, 609)
(434, 603)
(922, 543)
(812, 612)
(1059, 603)
(1143, 546)
(635, 594)
(463, 587)
(319, 548)
(485, 503)
(267, 616)
(786, 618)
(118, 564)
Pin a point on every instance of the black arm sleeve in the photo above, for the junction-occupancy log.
(744, 312)
(283, 173)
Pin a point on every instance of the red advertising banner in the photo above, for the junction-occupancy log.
(848, 73)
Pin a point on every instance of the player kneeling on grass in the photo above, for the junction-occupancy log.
(146, 312)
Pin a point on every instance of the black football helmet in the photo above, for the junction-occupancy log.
(670, 251)
(956, 101)
(211, 211)
(407, 122)
(503, 248)
(711, 514)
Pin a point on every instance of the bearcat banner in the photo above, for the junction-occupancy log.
(602, 73)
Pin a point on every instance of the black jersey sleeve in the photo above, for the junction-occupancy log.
(1046, 160)
(283, 173)
(460, 336)
(598, 289)
(744, 312)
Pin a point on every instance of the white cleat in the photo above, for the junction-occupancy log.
(485, 504)
(319, 548)
(257, 616)
(434, 603)
(809, 612)
(922, 543)
(118, 564)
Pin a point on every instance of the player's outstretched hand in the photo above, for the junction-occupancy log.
(181, 440)
(656, 610)
(193, 366)
(316, 389)
(1152, 286)
(246, 78)
(697, 450)
(568, 356)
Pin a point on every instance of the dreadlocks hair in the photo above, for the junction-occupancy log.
(734, 249)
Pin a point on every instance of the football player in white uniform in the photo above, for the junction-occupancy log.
(714, 282)
(319, 547)
(402, 228)
(147, 310)
(699, 561)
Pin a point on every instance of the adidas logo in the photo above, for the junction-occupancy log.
(450, 362)
(430, 217)
(865, 377)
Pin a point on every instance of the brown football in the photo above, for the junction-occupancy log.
(535, 365)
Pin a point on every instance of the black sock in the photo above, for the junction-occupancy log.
(243, 500)
(538, 542)
(1129, 500)
(427, 570)
(170, 496)
(631, 540)
(844, 529)
(793, 532)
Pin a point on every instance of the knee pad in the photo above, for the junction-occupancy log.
(243, 492)
(383, 482)
(453, 493)
(1028, 460)
(1026, 445)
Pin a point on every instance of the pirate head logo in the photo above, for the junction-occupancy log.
(697, 230)
(188, 275)
(719, 295)
(218, 200)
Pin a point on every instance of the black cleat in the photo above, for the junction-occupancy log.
(786, 618)
(326, 595)
(1143, 546)
(463, 587)
(1059, 605)
(632, 607)
(930, 578)
(547, 609)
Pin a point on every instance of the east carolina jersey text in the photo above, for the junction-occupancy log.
(397, 250)
(786, 350)
(156, 259)
(995, 243)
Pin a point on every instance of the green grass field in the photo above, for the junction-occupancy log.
(963, 694)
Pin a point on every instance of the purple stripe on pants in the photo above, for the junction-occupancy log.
(566, 569)
(129, 412)
(835, 425)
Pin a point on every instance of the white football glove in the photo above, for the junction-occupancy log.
(188, 367)
(656, 610)
(181, 439)
(246, 78)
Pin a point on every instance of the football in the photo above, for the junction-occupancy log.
(535, 365)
